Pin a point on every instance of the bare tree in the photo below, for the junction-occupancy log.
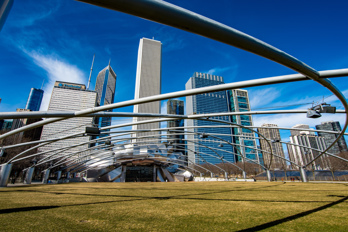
(336, 164)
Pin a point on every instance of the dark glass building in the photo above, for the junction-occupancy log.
(238, 101)
(34, 99)
(105, 88)
(176, 107)
(208, 103)
(341, 145)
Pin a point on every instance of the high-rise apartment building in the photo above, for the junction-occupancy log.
(302, 152)
(34, 99)
(148, 83)
(273, 135)
(69, 97)
(198, 148)
(301, 132)
(238, 101)
(176, 136)
(105, 87)
(5, 7)
(341, 144)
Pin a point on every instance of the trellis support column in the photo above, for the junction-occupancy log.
(29, 175)
(244, 175)
(59, 175)
(5, 170)
(303, 174)
(45, 176)
(269, 176)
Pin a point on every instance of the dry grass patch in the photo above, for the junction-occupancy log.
(208, 206)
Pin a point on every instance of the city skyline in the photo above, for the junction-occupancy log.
(58, 61)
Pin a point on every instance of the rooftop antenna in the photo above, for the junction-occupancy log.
(90, 74)
(109, 62)
(42, 83)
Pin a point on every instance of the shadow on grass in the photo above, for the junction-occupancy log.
(34, 208)
(293, 217)
(176, 197)
(24, 209)
(146, 197)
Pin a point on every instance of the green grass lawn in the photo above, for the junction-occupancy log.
(190, 206)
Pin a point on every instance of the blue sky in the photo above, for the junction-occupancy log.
(49, 40)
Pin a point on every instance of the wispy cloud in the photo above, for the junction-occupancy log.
(262, 97)
(290, 120)
(218, 70)
(269, 97)
(169, 39)
(57, 70)
(231, 70)
(30, 13)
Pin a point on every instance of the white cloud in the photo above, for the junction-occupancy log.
(220, 70)
(26, 15)
(263, 97)
(290, 120)
(57, 70)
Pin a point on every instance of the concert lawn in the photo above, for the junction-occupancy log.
(189, 206)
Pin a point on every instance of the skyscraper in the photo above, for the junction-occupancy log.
(5, 7)
(34, 99)
(105, 87)
(176, 107)
(300, 132)
(341, 144)
(207, 103)
(302, 155)
(277, 149)
(69, 97)
(238, 101)
(148, 83)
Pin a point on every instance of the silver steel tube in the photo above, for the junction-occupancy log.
(235, 85)
(174, 16)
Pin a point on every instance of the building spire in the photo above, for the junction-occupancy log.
(42, 83)
(90, 74)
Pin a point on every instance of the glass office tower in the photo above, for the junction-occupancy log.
(34, 99)
(105, 87)
(198, 151)
(341, 144)
(238, 101)
(176, 107)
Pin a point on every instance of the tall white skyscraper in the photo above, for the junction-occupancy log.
(69, 97)
(148, 83)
